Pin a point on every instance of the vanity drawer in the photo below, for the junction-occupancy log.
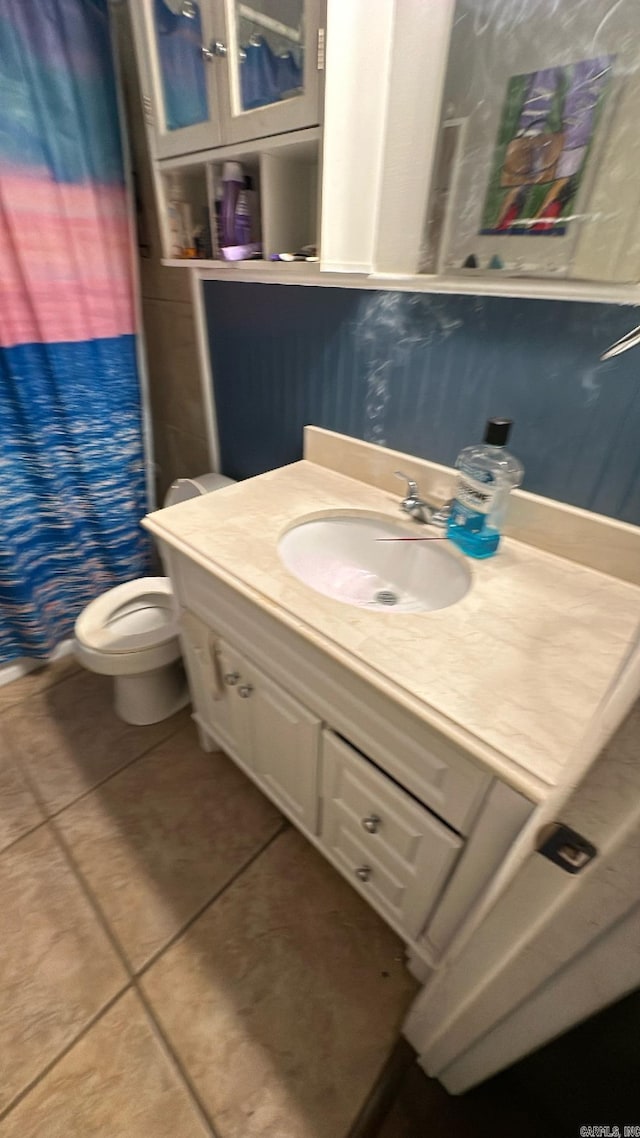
(393, 849)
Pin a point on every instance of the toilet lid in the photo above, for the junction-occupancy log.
(139, 614)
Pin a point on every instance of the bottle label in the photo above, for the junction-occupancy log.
(475, 497)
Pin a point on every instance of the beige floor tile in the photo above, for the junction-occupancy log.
(283, 999)
(156, 841)
(19, 811)
(33, 682)
(115, 1083)
(57, 968)
(69, 737)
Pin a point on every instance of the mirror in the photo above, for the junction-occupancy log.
(536, 167)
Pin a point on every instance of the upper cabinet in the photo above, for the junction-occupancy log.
(534, 171)
(218, 72)
(519, 156)
(478, 146)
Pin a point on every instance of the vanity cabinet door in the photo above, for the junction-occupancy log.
(397, 853)
(213, 670)
(256, 721)
(232, 728)
(285, 739)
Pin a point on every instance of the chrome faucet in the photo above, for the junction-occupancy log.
(421, 511)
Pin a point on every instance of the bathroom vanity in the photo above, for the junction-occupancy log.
(413, 749)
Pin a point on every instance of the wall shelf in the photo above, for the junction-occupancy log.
(310, 273)
(285, 174)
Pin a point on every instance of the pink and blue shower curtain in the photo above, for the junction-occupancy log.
(72, 486)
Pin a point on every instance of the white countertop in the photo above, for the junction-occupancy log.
(520, 663)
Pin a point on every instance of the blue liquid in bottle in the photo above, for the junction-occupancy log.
(487, 474)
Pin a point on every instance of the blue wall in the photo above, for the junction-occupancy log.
(421, 373)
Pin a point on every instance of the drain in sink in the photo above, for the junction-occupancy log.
(386, 597)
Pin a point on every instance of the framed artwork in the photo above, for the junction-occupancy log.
(546, 129)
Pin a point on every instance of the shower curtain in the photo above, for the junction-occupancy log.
(72, 485)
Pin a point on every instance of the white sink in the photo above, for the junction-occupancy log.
(352, 560)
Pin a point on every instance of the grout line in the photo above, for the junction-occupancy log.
(65, 1051)
(163, 1036)
(92, 901)
(91, 898)
(108, 777)
(51, 814)
(134, 978)
(131, 979)
(144, 968)
(172, 1055)
(39, 691)
(26, 834)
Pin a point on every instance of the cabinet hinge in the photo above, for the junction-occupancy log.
(566, 848)
(320, 56)
(147, 110)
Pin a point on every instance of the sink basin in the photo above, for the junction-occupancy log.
(348, 558)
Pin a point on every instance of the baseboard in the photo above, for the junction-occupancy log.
(25, 664)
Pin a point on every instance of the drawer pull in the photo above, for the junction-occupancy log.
(245, 691)
(363, 872)
(231, 678)
(371, 823)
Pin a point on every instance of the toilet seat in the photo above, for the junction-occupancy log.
(129, 617)
(131, 633)
(129, 630)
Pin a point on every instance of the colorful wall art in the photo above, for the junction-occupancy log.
(548, 122)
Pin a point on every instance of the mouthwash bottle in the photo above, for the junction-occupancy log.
(487, 473)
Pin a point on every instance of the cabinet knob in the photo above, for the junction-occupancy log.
(363, 872)
(231, 678)
(371, 823)
(216, 48)
(245, 691)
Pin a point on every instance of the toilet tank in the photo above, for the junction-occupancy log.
(185, 488)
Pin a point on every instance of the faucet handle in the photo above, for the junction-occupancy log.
(412, 487)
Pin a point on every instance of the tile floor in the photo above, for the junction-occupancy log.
(175, 960)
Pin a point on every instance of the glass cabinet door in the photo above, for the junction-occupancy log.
(271, 79)
(180, 96)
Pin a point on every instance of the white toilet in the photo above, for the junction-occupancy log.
(131, 633)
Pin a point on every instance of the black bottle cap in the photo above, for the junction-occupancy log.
(497, 432)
